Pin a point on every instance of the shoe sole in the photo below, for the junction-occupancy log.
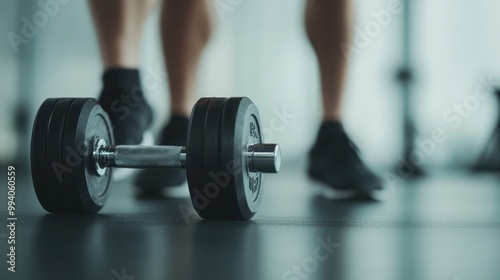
(120, 174)
(327, 191)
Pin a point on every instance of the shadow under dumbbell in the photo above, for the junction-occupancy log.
(167, 193)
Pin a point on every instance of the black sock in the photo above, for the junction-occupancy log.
(175, 133)
(123, 99)
(119, 83)
(179, 120)
(329, 129)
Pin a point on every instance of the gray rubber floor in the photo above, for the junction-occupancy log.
(444, 226)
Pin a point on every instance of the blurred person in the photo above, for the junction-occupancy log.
(186, 27)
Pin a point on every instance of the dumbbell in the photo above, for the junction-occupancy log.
(73, 153)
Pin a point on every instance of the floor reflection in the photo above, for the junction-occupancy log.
(99, 247)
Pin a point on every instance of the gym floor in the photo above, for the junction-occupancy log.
(442, 226)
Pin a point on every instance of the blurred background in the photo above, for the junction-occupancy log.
(260, 50)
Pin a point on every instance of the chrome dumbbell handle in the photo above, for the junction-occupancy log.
(143, 156)
(263, 158)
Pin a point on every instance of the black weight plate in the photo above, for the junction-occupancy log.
(194, 155)
(39, 175)
(57, 172)
(219, 136)
(86, 120)
(241, 128)
(217, 188)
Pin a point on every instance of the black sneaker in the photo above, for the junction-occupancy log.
(174, 134)
(334, 161)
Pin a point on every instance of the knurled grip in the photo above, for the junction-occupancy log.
(145, 156)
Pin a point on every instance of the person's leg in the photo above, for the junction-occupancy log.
(327, 26)
(185, 27)
(119, 25)
(333, 158)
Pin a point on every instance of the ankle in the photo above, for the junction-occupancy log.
(334, 116)
(180, 111)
